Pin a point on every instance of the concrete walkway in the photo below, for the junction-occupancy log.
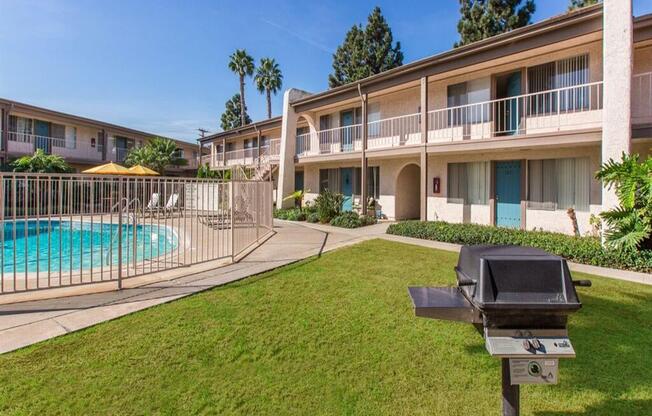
(26, 323)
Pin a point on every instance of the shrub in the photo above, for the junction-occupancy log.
(296, 215)
(313, 217)
(586, 250)
(352, 220)
(291, 214)
(328, 205)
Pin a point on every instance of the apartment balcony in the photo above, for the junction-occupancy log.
(642, 99)
(246, 157)
(120, 153)
(73, 150)
(554, 111)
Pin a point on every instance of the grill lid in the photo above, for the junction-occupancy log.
(514, 277)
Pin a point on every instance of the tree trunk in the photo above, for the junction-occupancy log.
(242, 102)
(269, 104)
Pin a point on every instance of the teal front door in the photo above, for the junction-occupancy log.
(42, 133)
(346, 140)
(346, 186)
(508, 194)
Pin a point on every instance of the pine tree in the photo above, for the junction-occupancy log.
(232, 118)
(578, 4)
(485, 18)
(366, 51)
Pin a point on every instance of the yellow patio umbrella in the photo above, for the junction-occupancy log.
(109, 169)
(141, 170)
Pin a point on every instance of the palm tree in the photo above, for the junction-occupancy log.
(40, 162)
(268, 79)
(242, 65)
(158, 154)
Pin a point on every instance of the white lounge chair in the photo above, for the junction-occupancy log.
(171, 205)
(153, 204)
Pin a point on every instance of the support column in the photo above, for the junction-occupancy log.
(4, 127)
(258, 137)
(423, 191)
(105, 143)
(618, 62)
(224, 153)
(363, 162)
(285, 184)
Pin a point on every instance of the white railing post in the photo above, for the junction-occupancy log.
(119, 234)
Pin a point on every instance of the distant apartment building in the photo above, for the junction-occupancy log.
(508, 131)
(82, 142)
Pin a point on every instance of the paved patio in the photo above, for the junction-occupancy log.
(26, 323)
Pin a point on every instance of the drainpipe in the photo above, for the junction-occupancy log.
(363, 161)
(257, 144)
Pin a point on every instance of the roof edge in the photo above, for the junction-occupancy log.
(530, 30)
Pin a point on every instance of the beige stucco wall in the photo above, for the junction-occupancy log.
(83, 149)
(440, 209)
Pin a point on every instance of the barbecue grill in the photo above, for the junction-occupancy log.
(519, 299)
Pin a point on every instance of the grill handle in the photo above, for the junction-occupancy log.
(463, 279)
(582, 283)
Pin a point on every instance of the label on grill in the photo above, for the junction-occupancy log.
(533, 371)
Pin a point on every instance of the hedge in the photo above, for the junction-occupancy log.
(585, 250)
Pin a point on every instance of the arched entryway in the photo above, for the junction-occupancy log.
(408, 188)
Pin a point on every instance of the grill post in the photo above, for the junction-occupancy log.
(510, 392)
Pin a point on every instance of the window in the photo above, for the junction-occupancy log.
(250, 143)
(58, 134)
(264, 141)
(329, 179)
(373, 181)
(473, 92)
(559, 184)
(230, 146)
(20, 128)
(71, 137)
(468, 183)
(565, 74)
(325, 122)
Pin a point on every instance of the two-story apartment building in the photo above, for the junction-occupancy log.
(507, 131)
(82, 142)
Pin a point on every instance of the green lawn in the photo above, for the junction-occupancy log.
(334, 335)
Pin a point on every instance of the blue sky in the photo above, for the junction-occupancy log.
(161, 65)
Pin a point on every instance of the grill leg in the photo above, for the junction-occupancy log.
(510, 393)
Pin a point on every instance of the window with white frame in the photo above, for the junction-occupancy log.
(559, 184)
(468, 183)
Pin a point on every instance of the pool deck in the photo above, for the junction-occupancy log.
(26, 323)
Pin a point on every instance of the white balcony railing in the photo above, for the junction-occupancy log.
(556, 110)
(121, 153)
(394, 132)
(274, 149)
(642, 98)
(331, 141)
(24, 143)
(562, 109)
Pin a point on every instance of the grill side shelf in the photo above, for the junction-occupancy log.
(443, 303)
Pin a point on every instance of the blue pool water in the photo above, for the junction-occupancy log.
(74, 245)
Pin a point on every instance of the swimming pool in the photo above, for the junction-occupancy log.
(70, 245)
